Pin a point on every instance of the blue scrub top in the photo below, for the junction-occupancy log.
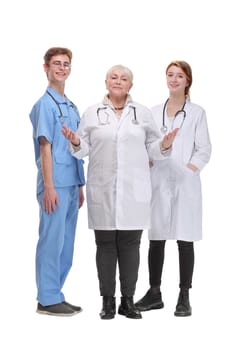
(47, 122)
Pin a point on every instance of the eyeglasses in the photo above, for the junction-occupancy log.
(66, 65)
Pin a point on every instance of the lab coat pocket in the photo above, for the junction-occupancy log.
(95, 187)
(142, 186)
(191, 185)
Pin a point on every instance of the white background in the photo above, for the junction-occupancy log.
(144, 35)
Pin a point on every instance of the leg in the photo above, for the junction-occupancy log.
(67, 254)
(153, 298)
(69, 237)
(186, 265)
(49, 247)
(155, 262)
(106, 261)
(128, 243)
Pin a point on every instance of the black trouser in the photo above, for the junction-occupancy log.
(122, 247)
(156, 260)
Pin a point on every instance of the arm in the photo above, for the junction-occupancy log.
(50, 198)
(202, 145)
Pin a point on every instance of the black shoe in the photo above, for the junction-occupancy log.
(73, 307)
(183, 307)
(56, 310)
(152, 300)
(108, 309)
(128, 309)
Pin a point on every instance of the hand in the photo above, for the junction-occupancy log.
(81, 197)
(192, 167)
(50, 200)
(70, 135)
(151, 164)
(168, 140)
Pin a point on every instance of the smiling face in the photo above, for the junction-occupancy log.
(58, 69)
(176, 80)
(118, 83)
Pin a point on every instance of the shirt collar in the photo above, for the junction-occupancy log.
(57, 96)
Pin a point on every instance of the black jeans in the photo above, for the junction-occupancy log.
(120, 247)
(156, 260)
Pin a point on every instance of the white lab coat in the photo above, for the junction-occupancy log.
(176, 210)
(118, 176)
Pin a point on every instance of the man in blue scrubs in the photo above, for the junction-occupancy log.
(60, 184)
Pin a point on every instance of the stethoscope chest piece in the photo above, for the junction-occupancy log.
(163, 129)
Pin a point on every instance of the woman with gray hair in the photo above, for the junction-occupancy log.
(118, 135)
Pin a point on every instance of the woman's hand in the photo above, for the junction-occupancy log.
(168, 140)
(70, 136)
(192, 167)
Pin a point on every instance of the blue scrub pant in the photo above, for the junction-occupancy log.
(54, 253)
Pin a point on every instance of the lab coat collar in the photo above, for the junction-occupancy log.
(107, 102)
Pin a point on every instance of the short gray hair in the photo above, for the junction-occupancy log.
(123, 69)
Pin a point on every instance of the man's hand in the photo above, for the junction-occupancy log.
(50, 200)
(81, 197)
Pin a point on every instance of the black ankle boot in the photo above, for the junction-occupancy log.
(109, 308)
(183, 307)
(152, 300)
(128, 309)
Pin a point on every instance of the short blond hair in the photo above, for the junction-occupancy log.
(125, 70)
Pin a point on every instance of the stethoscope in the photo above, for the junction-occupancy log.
(164, 127)
(105, 121)
(61, 117)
